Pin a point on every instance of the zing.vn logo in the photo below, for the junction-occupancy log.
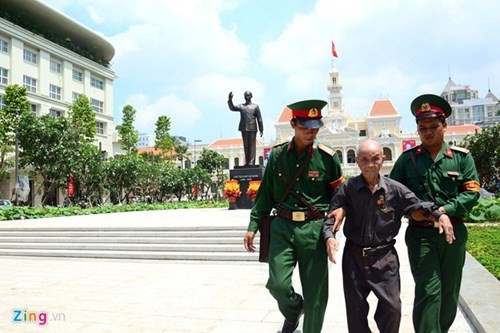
(41, 318)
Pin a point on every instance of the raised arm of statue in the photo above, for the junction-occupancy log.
(230, 102)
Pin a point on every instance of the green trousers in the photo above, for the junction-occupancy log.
(302, 243)
(437, 270)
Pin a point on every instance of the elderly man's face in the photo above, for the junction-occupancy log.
(370, 160)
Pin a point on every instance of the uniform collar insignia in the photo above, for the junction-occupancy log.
(449, 153)
(419, 151)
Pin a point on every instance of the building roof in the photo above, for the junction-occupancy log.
(491, 95)
(148, 150)
(229, 142)
(449, 85)
(383, 107)
(285, 116)
(462, 129)
(60, 25)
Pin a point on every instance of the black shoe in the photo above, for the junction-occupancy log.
(290, 327)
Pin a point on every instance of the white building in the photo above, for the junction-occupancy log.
(146, 140)
(52, 72)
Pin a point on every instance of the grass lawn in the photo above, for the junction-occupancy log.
(484, 245)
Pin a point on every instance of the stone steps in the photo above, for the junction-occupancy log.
(160, 243)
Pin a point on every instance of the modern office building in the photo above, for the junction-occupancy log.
(56, 59)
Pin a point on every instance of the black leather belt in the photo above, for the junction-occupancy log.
(431, 224)
(371, 250)
(300, 216)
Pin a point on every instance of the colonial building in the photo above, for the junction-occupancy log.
(468, 108)
(343, 132)
(56, 59)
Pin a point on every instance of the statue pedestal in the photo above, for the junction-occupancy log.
(244, 174)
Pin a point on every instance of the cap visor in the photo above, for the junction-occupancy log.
(311, 123)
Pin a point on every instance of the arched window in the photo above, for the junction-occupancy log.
(387, 153)
(236, 161)
(351, 156)
(339, 154)
(261, 160)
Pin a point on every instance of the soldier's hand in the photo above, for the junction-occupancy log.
(446, 226)
(248, 241)
(332, 246)
(230, 96)
(339, 215)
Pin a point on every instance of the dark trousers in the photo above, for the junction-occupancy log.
(249, 146)
(437, 270)
(378, 274)
(302, 243)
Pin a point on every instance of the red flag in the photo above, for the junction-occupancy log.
(334, 51)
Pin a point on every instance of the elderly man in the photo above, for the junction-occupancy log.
(374, 206)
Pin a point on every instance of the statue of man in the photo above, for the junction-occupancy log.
(249, 118)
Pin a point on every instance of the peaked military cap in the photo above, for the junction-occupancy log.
(308, 112)
(430, 106)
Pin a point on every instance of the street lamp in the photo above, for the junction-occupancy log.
(194, 159)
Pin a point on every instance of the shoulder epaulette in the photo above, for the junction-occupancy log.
(326, 149)
(410, 149)
(460, 149)
(280, 144)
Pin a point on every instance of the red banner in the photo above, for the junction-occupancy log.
(407, 144)
(71, 186)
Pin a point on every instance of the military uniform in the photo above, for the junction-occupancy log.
(296, 232)
(451, 181)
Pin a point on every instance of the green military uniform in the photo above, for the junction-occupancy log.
(299, 242)
(452, 180)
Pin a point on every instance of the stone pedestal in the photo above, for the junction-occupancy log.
(244, 174)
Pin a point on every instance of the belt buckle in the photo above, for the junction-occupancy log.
(298, 216)
(435, 224)
(365, 251)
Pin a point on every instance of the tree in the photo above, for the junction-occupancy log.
(16, 105)
(163, 141)
(485, 149)
(128, 134)
(180, 150)
(214, 163)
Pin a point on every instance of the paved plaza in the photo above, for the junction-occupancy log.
(108, 295)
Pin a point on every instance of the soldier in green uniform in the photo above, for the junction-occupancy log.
(434, 171)
(313, 171)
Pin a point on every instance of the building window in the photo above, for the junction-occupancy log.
(4, 76)
(339, 154)
(362, 132)
(236, 161)
(2, 105)
(97, 105)
(100, 128)
(96, 83)
(30, 57)
(33, 108)
(77, 75)
(351, 156)
(55, 92)
(56, 113)
(75, 96)
(29, 83)
(55, 67)
(4, 46)
(387, 153)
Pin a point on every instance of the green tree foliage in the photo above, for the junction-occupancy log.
(128, 134)
(214, 164)
(163, 141)
(16, 105)
(180, 150)
(484, 147)
(122, 175)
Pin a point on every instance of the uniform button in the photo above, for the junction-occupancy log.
(435, 180)
(296, 191)
(297, 179)
(296, 205)
(437, 194)
(297, 165)
(313, 178)
(279, 174)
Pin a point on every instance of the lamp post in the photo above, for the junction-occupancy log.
(16, 172)
(194, 159)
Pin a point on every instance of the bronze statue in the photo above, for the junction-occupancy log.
(249, 119)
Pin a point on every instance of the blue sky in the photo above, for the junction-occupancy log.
(181, 58)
